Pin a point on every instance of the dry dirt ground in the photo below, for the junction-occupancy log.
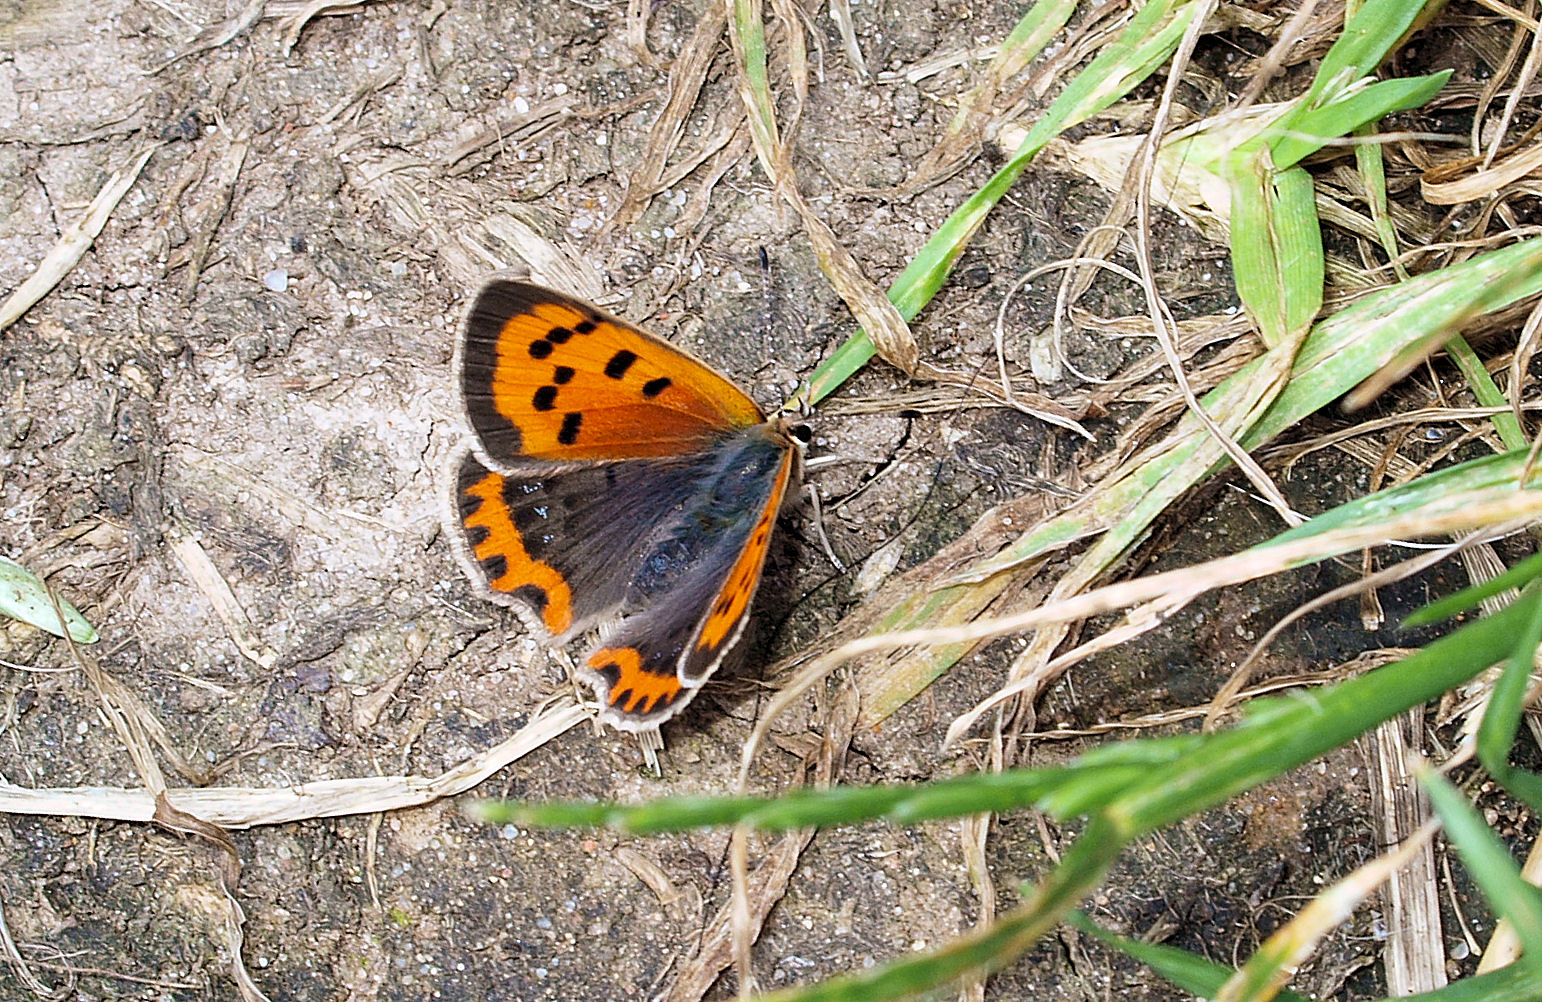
(253, 363)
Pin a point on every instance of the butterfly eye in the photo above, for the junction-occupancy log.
(802, 432)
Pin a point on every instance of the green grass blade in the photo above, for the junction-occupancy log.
(1373, 173)
(1468, 598)
(1428, 491)
(1369, 36)
(1120, 66)
(1516, 983)
(1088, 784)
(1300, 135)
(1489, 862)
(1194, 974)
(1283, 733)
(1022, 46)
(1030, 35)
(845, 362)
(762, 117)
(24, 596)
(1486, 392)
(1502, 717)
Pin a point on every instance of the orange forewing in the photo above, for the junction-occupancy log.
(547, 377)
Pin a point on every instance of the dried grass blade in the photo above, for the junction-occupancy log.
(238, 626)
(687, 73)
(72, 243)
(888, 330)
(245, 807)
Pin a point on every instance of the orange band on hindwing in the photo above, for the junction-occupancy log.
(499, 547)
(633, 690)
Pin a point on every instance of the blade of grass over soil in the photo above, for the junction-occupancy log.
(1502, 717)
(1276, 246)
(1520, 574)
(1489, 862)
(1125, 791)
(1143, 46)
(1195, 974)
(1430, 491)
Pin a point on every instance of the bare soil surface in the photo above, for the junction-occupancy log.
(254, 362)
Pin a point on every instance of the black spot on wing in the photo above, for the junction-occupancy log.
(495, 566)
(533, 594)
(619, 363)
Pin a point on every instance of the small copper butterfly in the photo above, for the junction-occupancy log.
(615, 482)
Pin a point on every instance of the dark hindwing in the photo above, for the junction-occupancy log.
(696, 581)
(568, 545)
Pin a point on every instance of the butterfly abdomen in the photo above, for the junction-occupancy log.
(712, 521)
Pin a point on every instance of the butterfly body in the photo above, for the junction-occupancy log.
(619, 483)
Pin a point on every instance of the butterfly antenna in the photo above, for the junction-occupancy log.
(767, 301)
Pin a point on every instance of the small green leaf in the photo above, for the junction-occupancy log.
(23, 596)
(1302, 134)
(1276, 245)
(1370, 34)
(1502, 717)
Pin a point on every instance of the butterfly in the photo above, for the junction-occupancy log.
(617, 482)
